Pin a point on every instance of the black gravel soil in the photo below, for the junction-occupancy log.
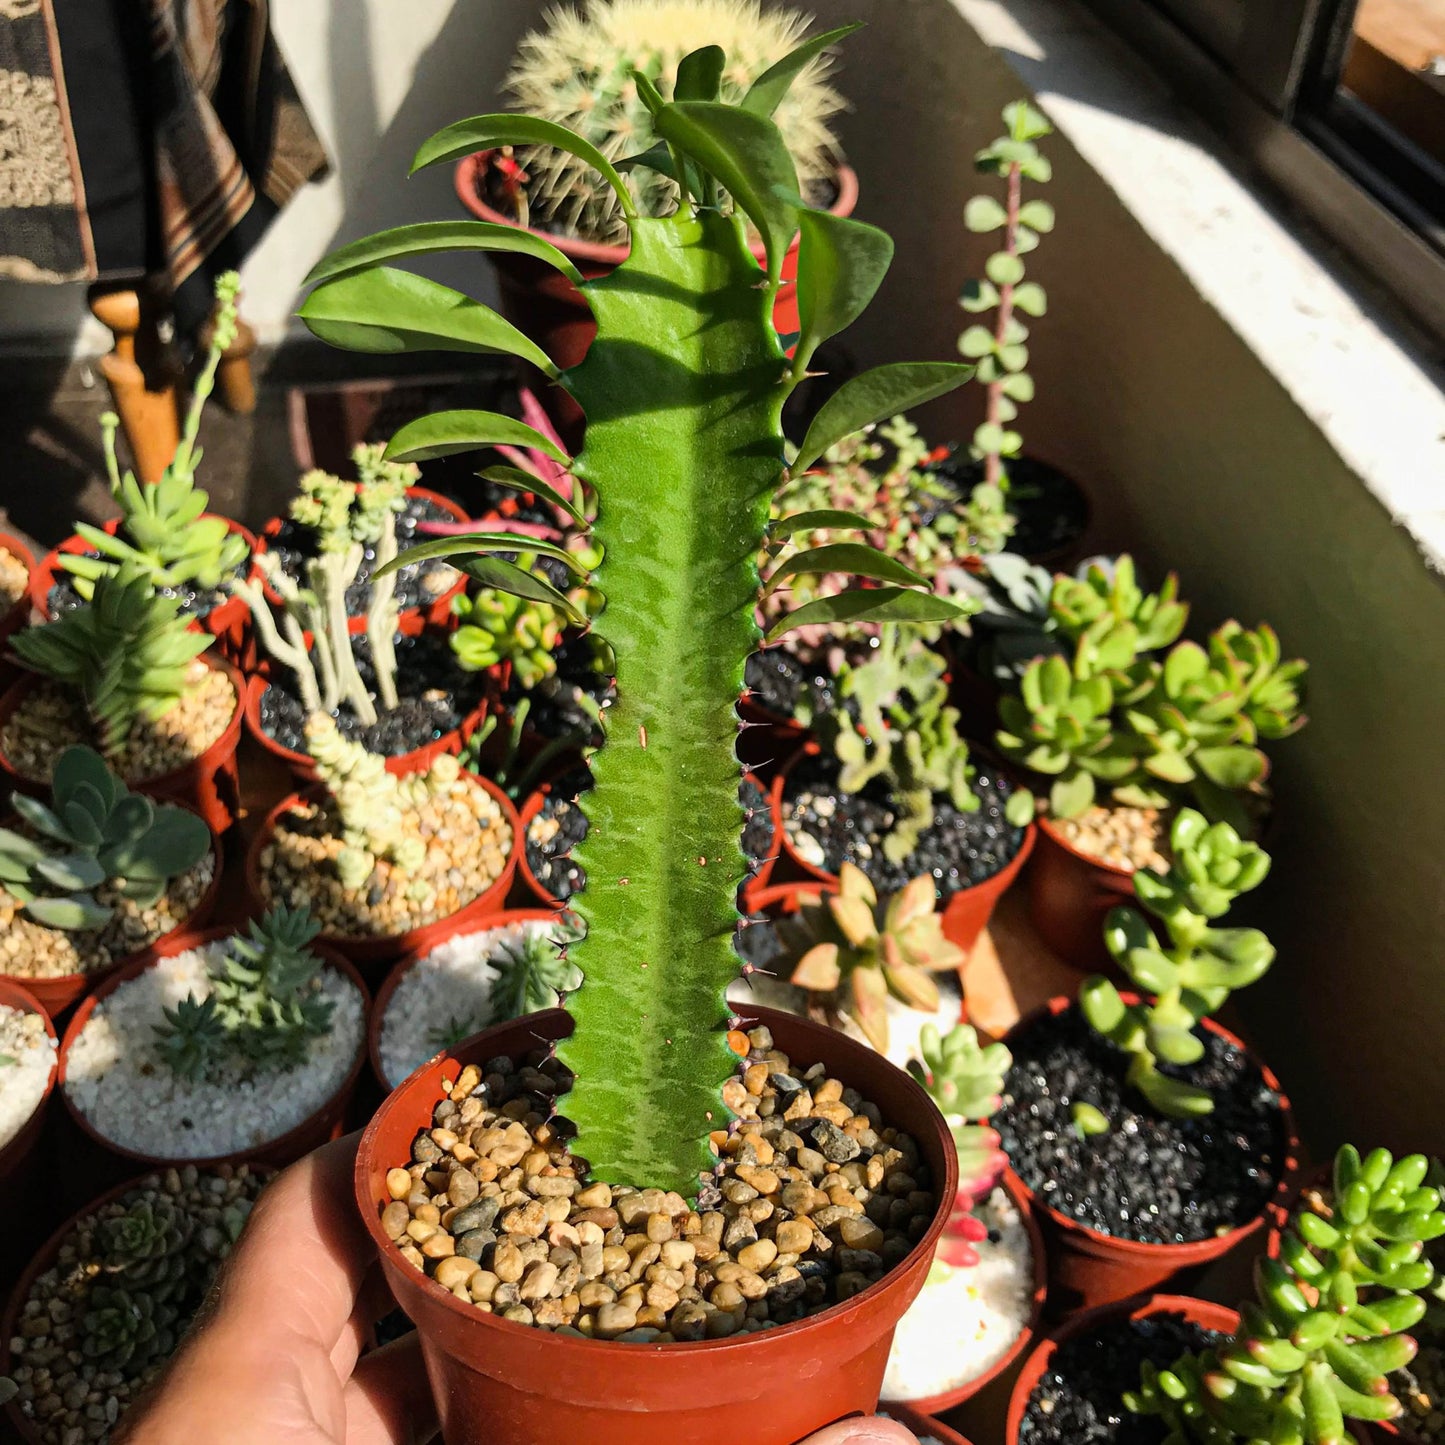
(756, 942)
(959, 849)
(1050, 508)
(513, 505)
(195, 601)
(294, 545)
(778, 680)
(1149, 1178)
(435, 696)
(1079, 1398)
(554, 711)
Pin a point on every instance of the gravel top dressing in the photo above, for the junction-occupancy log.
(195, 601)
(1150, 1178)
(555, 711)
(434, 695)
(30, 950)
(51, 718)
(27, 1060)
(815, 1200)
(965, 1320)
(1079, 1399)
(116, 1077)
(14, 577)
(445, 996)
(418, 584)
(1125, 837)
(99, 1324)
(828, 828)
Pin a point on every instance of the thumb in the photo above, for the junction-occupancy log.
(872, 1431)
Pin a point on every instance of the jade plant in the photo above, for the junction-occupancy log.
(128, 653)
(1188, 976)
(1316, 1346)
(164, 531)
(682, 390)
(94, 832)
(1001, 350)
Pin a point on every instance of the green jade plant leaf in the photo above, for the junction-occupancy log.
(683, 392)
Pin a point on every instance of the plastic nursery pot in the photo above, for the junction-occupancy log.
(210, 784)
(1070, 895)
(500, 1383)
(368, 951)
(965, 913)
(55, 995)
(437, 610)
(15, 1154)
(1141, 1307)
(16, 616)
(921, 1424)
(229, 623)
(322, 1124)
(1088, 1269)
(505, 919)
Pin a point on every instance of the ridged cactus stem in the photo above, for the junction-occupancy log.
(381, 616)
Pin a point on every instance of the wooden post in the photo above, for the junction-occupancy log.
(141, 383)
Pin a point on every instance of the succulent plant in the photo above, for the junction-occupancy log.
(164, 533)
(1193, 975)
(851, 951)
(125, 1329)
(496, 627)
(93, 832)
(127, 652)
(145, 1248)
(578, 72)
(1317, 1345)
(533, 972)
(1001, 352)
(682, 390)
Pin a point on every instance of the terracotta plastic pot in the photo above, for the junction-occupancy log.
(507, 1384)
(209, 784)
(18, 614)
(437, 610)
(229, 624)
(965, 913)
(1088, 1269)
(506, 919)
(15, 1154)
(1198, 1312)
(922, 1424)
(1070, 895)
(546, 306)
(373, 951)
(55, 995)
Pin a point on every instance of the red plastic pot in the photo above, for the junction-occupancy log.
(922, 1424)
(322, 1124)
(1088, 1269)
(373, 951)
(1070, 895)
(209, 784)
(1198, 1312)
(18, 614)
(229, 624)
(437, 610)
(506, 919)
(55, 995)
(15, 1154)
(507, 1384)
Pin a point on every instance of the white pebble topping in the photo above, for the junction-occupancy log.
(117, 1079)
(446, 990)
(964, 1320)
(30, 1053)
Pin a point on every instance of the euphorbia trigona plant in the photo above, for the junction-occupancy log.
(683, 392)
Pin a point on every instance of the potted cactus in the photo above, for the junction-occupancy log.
(126, 672)
(383, 862)
(164, 530)
(95, 875)
(683, 389)
(1127, 724)
(1149, 1137)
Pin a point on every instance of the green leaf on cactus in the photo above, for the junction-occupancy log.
(1038, 215)
(485, 132)
(699, 74)
(765, 94)
(468, 544)
(1030, 299)
(444, 433)
(983, 214)
(1072, 795)
(841, 264)
(978, 296)
(854, 558)
(1004, 269)
(870, 604)
(518, 582)
(428, 237)
(384, 311)
(820, 519)
(656, 158)
(515, 479)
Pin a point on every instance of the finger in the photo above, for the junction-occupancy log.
(373, 1300)
(872, 1431)
(389, 1401)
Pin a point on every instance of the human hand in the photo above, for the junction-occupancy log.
(872, 1431)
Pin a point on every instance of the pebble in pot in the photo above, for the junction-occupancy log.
(27, 1064)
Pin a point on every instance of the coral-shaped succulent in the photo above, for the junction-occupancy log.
(851, 950)
(125, 1329)
(144, 1249)
(578, 71)
(93, 832)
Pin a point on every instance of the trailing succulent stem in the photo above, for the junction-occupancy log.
(1317, 1345)
(683, 391)
(1192, 976)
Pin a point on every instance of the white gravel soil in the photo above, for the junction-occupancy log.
(116, 1078)
(964, 1320)
(23, 1080)
(450, 987)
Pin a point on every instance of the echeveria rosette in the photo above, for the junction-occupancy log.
(683, 392)
(1316, 1346)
